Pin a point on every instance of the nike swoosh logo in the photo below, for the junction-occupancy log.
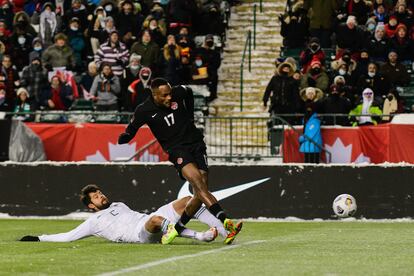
(222, 194)
(154, 115)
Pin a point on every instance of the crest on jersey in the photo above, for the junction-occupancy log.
(174, 105)
(179, 160)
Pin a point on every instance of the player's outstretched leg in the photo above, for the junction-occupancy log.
(201, 195)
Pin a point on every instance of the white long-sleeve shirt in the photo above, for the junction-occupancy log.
(117, 223)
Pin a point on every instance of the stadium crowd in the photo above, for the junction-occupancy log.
(353, 57)
(53, 53)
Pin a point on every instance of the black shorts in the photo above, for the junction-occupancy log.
(183, 155)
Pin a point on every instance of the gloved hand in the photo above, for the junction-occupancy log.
(30, 239)
(124, 138)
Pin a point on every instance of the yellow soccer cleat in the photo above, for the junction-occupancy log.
(231, 230)
(171, 234)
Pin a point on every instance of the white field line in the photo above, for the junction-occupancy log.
(177, 258)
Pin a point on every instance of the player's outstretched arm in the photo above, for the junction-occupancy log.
(189, 102)
(82, 231)
(30, 239)
(136, 122)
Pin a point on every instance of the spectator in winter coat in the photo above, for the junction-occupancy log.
(58, 96)
(157, 35)
(361, 66)
(321, 19)
(283, 92)
(23, 105)
(378, 45)
(311, 140)
(391, 27)
(21, 23)
(366, 110)
(114, 53)
(96, 25)
(310, 100)
(37, 48)
(34, 78)
(313, 50)
(106, 88)
(212, 59)
(88, 77)
(295, 27)
(59, 54)
(335, 103)
(20, 47)
(394, 71)
(148, 50)
(315, 77)
(139, 90)
(402, 45)
(172, 60)
(76, 41)
(374, 80)
(380, 14)
(48, 24)
(128, 22)
(11, 81)
(131, 74)
(349, 36)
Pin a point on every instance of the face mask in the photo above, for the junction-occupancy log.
(210, 44)
(21, 40)
(36, 65)
(37, 49)
(152, 27)
(314, 47)
(342, 72)
(371, 27)
(108, 8)
(74, 29)
(135, 67)
(315, 71)
(364, 59)
(198, 62)
(346, 58)
(390, 97)
(371, 74)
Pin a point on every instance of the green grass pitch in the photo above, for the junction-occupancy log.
(288, 248)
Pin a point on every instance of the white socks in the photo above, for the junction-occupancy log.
(206, 217)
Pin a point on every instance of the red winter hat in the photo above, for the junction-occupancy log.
(315, 62)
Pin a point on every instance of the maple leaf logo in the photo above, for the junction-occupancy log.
(343, 154)
(116, 152)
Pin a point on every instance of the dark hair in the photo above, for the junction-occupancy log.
(157, 82)
(84, 196)
(103, 64)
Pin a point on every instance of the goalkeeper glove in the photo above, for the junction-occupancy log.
(30, 239)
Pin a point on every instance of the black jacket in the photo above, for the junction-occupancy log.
(283, 92)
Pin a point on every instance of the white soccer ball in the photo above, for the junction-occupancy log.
(344, 206)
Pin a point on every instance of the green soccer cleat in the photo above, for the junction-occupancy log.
(232, 230)
(171, 234)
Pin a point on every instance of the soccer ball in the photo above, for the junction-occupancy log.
(344, 206)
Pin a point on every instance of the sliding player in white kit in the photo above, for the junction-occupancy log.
(118, 223)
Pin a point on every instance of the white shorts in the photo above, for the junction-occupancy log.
(166, 211)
